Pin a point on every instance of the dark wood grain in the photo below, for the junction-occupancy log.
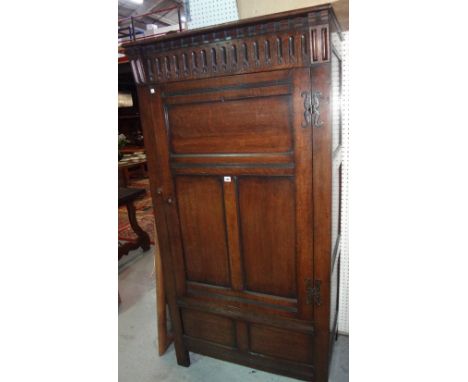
(173, 282)
(233, 310)
(200, 202)
(243, 297)
(243, 146)
(215, 127)
(261, 362)
(230, 93)
(285, 169)
(322, 195)
(267, 225)
(242, 336)
(236, 159)
(303, 185)
(232, 223)
(209, 327)
(165, 337)
(235, 55)
(281, 343)
(221, 84)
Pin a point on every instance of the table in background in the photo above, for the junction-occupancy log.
(127, 197)
(124, 168)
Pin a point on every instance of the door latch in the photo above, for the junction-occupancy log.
(313, 292)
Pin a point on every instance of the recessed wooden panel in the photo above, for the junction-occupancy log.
(201, 211)
(209, 327)
(281, 343)
(268, 234)
(244, 125)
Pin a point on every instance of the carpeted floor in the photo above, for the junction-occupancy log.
(144, 214)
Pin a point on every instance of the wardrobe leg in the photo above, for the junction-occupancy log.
(182, 355)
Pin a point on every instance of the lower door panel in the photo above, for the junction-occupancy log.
(268, 347)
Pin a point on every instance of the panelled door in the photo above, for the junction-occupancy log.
(235, 162)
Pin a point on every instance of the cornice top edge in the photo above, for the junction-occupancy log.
(245, 23)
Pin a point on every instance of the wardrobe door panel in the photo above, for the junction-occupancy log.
(257, 123)
(209, 327)
(201, 213)
(267, 222)
(284, 344)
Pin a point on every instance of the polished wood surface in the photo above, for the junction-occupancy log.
(202, 225)
(165, 336)
(277, 342)
(238, 128)
(209, 327)
(215, 126)
(268, 235)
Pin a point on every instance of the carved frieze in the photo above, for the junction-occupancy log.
(292, 42)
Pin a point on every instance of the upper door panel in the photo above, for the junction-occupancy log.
(237, 118)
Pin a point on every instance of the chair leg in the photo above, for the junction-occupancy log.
(143, 237)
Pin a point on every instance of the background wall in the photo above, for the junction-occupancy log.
(253, 8)
(343, 314)
(208, 12)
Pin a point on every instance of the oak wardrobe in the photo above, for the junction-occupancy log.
(242, 129)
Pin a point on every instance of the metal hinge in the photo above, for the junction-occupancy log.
(313, 292)
(312, 109)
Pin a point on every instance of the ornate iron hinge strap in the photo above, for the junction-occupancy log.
(307, 109)
(312, 109)
(316, 122)
(313, 292)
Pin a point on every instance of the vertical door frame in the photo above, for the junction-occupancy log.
(162, 193)
(322, 188)
(302, 133)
